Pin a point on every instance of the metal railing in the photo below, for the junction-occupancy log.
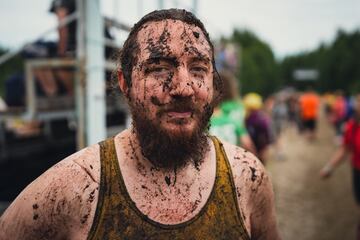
(31, 107)
(31, 99)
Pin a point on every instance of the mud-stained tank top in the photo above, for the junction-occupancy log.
(117, 217)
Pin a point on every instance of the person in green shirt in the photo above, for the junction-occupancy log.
(227, 121)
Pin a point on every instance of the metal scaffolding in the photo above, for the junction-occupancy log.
(90, 84)
(89, 64)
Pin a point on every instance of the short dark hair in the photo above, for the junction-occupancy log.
(130, 50)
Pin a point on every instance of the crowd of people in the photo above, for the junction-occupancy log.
(265, 121)
(255, 123)
(344, 114)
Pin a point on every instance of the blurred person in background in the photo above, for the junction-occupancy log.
(350, 105)
(309, 109)
(279, 118)
(329, 99)
(294, 111)
(257, 124)
(46, 85)
(338, 115)
(3, 106)
(67, 43)
(350, 146)
(66, 47)
(228, 119)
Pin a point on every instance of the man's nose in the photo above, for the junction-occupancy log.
(182, 84)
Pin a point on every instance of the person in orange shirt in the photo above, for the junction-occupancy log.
(309, 106)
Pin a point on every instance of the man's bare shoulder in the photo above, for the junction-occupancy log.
(254, 192)
(249, 176)
(246, 167)
(58, 204)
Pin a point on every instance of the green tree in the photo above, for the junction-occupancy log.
(259, 70)
(338, 63)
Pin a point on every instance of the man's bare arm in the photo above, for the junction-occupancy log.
(254, 193)
(57, 205)
(263, 221)
(63, 31)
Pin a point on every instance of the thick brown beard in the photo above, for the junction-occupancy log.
(168, 151)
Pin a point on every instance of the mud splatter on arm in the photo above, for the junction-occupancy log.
(254, 193)
(57, 205)
(260, 200)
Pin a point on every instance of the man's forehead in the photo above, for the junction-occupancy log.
(170, 34)
(156, 28)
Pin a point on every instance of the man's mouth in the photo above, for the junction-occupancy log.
(177, 114)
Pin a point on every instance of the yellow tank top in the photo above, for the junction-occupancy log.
(117, 217)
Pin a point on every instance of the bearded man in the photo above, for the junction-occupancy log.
(165, 178)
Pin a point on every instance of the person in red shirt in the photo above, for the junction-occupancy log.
(350, 145)
(338, 114)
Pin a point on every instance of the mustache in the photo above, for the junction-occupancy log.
(178, 105)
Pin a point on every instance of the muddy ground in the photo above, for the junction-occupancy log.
(309, 208)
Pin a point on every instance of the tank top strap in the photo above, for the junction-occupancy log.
(226, 184)
(108, 161)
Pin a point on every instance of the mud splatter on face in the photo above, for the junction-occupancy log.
(161, 56)
(159, 48)
(167, 180)
(154, 100)
(167, 82)
(189, 43)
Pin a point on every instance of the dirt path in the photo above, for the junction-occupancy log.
(309, 208)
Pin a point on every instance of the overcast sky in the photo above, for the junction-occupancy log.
(289, 26)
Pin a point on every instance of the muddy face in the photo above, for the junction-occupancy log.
(172, 86)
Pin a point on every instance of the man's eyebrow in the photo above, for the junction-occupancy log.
(202, 59)
(157, 59)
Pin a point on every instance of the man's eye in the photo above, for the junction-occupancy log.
(157, 70)
(160, 69)
(199, 69)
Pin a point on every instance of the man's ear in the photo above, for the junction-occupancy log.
(122, 83)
